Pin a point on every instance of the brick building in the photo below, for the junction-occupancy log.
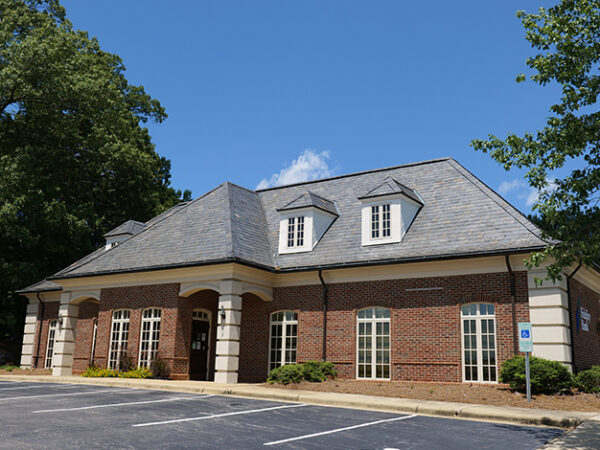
(412, 272)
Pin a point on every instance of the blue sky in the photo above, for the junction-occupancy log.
(266, 92)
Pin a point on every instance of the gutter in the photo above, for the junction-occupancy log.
(513, 295)
(569, 309)
(380, 262)
(324, 296)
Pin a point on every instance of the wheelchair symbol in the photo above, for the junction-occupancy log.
(525, 334)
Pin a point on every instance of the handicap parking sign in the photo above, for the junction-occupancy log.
(525, 337)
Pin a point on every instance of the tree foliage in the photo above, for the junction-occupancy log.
(567, 37)
(76, 159)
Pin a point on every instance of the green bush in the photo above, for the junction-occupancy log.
(125, 363)
(547, 377)
(316, 371)
(291, 373)
(140, 372)
(159, 368)
(313, 371)
(589, 380)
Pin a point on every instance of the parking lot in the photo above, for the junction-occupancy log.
(43, 415)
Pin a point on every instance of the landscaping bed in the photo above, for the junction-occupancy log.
(15, 370)
(453, 392)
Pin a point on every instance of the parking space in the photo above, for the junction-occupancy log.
(42, 415)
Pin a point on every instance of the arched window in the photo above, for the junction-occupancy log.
(150, 335)
(283, 339)
(52, 329)
(373, 343)
(119, 335)
(479, 342)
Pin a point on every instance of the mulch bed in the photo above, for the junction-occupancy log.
(496, 395)
(26, 372)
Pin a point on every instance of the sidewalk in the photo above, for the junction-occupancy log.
(521, 416)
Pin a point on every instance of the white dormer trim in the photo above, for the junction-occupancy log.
(307, 245)
(402, 212)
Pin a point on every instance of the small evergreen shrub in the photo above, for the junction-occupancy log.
(313, 371)
(316, 371)
(159, 368)
(291, 373)
(589, 380)
(125, 363)
(547, 377)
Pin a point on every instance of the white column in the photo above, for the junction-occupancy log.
(549, 316)
(228, 332)
(64, 344)
(29, 334)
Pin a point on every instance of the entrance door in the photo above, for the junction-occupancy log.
(199, 350)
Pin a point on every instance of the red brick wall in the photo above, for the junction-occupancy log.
(88, 313)
(425, 324)
(138, 298)
(587, 343)
(50, 313)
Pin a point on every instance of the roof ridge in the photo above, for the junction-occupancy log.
(519, 217)
(354, 174)
(64, 271)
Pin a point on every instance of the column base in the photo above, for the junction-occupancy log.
(226, 377)
(62, 371)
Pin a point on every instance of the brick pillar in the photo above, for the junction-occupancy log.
(228, 332)
(31, 323)
(64, 344)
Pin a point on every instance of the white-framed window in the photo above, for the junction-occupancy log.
(201, 314)
(381, 221)
(479, 343)
(149, 336)
(373, 343)
(283, 339)
(94, 335)
(52, 330)
(119, 336)
(295, 235)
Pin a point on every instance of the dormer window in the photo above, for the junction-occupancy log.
(387, 212)
(295, 232)
(304, 221)
(380, 221)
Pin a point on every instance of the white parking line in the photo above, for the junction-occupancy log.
(38, 386)
(62, 395)
(109, 405)
(308, 436)
(214, 416)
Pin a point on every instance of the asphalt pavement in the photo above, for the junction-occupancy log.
(45, 415)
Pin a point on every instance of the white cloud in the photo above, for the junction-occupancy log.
(522, 191)
(308, 166)
(508, 186)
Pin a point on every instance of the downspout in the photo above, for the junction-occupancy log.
(572, 336)
(324, 297)
(513, 295)
(39, 339)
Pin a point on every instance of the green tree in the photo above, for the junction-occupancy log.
(76, 160)
(567, 37)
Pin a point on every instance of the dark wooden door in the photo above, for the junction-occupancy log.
(199, 349)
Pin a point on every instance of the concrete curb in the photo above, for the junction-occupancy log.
(521, 416)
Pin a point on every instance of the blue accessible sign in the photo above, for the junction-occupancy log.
(525, 337)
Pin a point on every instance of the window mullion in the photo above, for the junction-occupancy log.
(479, 349)
(374, 349)
(283, 342)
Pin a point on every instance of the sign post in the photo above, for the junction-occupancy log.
(526, 346)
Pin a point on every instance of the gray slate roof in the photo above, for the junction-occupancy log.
(461, 216)
(130, 227)
(391, 187)
(309, 199)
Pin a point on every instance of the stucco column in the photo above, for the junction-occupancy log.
(549, 316)
(31, 321)
(228, 331)
(64, 344)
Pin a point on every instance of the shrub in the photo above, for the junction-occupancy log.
(140, 372)
(316, 371)
(159, 368)
(125, 363)
(589, 380)
(313, 371)
(93, 371)
(547, 377)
